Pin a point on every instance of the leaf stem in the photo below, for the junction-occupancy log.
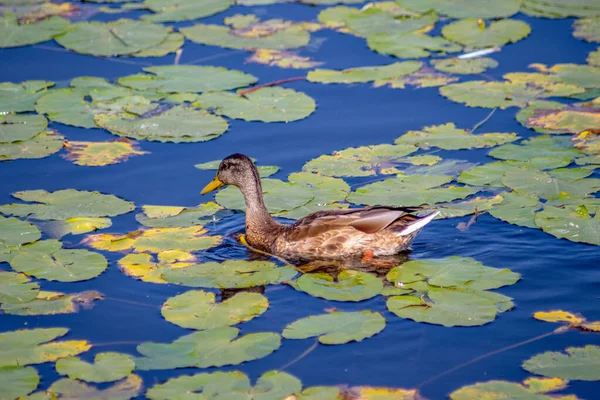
(478, 125)
(301, 356)
(279, 82)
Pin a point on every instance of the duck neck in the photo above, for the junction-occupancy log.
(261, 228)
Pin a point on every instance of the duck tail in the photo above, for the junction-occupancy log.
(418, 224)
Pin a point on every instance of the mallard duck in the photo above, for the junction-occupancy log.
(329, 234)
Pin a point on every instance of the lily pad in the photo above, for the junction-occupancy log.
(593, 58)
(475, 35)
(350, 285)
(558, 316)
(579, 363)
(114, 38)
(230, 274)
(489, 174)
(560, 8)
(16, 288)
(107, 367)
(74, 389)
(410, 45)
(543, 185)
(477, 205)
(52, 303)
(99, 154)
(21, 127)
(19, 97)
(203, 349)
(177, 217)
(532, 388)
(364, 74)
(14, 34)
(272, 385)
(337, 327)
(542, 152)
(551, 117)
(587, 29)
(585, 76)
(143, 267)
(37, 346)
(198, 309)
(183, 10)
(13, 234)
(517, 209)
(372, 21)
(16, 382)
(175, 124)
(448, 137)
(270, 104)
(187, 78)
(46, 260)
(575, 225)
(409, 191)
(171, 44)
(466, 8)
(282, 59)
(40, 146)
(67, 203)
(466, 66)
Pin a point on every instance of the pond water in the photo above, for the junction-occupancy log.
(556, 273)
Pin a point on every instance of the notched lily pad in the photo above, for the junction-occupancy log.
(107, 367)
(183, 10)
(465, 8)
(579, 363)
(19, 97)
(43, 145)
(21, 127)
(13, 234)
(531, 388)
(543, 185)
(572, 223)
(15, 34)
(16, 288)
(52, 303)
(99, 154)
(474, 34)
(71, 388)
(410, 45)
(349, 285)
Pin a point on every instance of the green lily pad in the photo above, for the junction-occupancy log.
(409, 191)
(364, 74)
(13, 234)
(587, 29)
(569, 223)
(20, 127)
(16, 382)
(74, 389)
(552, 117)
(171, 44)
(337, 327)
(230, 274)
(585, 76)
(211, 348)
(37, 346)
(487, 174)
(466, 66)
(448, 137)
(177, 217)
(198, 309)
(16, 288)
(579, 363)
(361, 161)
(19, 97)
(183, 10)
(187, 78)
(410, 45)
(52, 303)
(532, 388)
(592, 59)
(272, 385)
(337, 17)
(46, 260)
(13, 34)
(560, 8)
(542, 152)
(517, 209)
(284, 37)
(175, 124)
(270, 104)
(541, 184)
(466, 8)
(373, 20)
(350, 285)
(423, 78)
(67, 203)
(445, 307)
(474, 35)
(107, 367)
(467, 207)
(40, 146)
(114, 38)
(455, 272)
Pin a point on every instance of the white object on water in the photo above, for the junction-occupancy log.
(479, 53)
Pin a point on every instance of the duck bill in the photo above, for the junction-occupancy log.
(213, 185)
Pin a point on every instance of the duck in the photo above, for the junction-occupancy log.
(329, 234)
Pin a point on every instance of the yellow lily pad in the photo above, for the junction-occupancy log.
(282, 59)
(142, 266)
(98, 154)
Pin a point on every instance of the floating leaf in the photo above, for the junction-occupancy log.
(466, 8)
(74, 389)
(176, 217)
(372, 21)
(560, 8)
(21, 127)
(19, 97)
(592, 59)
(230, 274)
(64, 204)
(551, 117)
(74, 226)
(487, 174)
(569, 223)
(543, 152)
(558, 316)
(587, 29)
(13, 234)
(409, 191)
(466, 66)
(517, 209)
(113, 38)
(337, 327)
(448, 137)
(423, 78)
(361, 161)
(17, 381)
(187, 78)
(141, 266)
(51, 303)
(198, 309)
(14, 34)
(364, 74)
(40, 146)
(410, 45)
(270, 104)
(46, 260)
(171, 44)
(282, 59)
(272, 385)
(36, 346)
(16, 288)
(176, 124)
(98, 154)
(579, 363)
(474, 35)
(156, 240)
(350, 285)
(107, 367)
(183, 10)
(532, 388)
(573, 74)
(478, 205)
(542, 185)
(203, 349)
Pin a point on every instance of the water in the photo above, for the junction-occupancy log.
(557, 274)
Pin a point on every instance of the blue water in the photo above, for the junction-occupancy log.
(556, 274)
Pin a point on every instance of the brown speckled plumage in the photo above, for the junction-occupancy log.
(327, 234)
